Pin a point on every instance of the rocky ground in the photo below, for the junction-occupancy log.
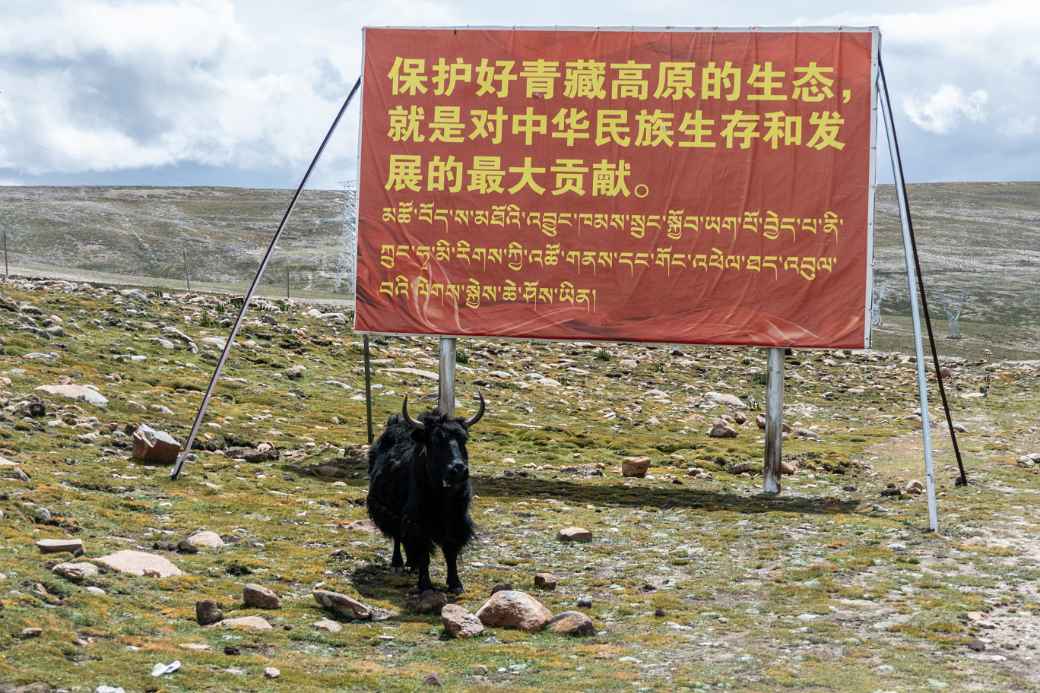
(685, 578)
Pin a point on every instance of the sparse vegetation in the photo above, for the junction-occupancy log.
(695, 581)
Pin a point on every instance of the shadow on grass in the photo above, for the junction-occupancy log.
(681, 497)
(377, 581)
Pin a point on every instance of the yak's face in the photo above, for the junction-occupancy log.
(447, 459)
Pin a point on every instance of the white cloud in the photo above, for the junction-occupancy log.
(946, 108)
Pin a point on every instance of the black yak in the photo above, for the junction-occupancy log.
(419, 491)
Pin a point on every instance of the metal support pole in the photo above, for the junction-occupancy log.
(187, 272)
(368, 389)
(774, 422)
(911, 281)
(252, 287)
(446, 391)
(287, 283)
(962, 480)
(6, 272)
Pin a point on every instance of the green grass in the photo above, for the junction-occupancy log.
(820, 589)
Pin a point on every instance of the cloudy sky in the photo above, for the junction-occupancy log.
(223, 92)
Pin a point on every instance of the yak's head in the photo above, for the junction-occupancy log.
(444, 437)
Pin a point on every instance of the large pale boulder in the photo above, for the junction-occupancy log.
(82, 393)
(139, 563)
(514, 609)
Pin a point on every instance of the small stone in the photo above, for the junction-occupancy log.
(659, 612)
(139, 563)
(427, 602)
(585, 602)
(500, 586)
(247, 623)
(152, 446)
(787, 468)
(232, 651)
(432, 680)
(573, 623)
(205, 540)
(635, 467)
(30, 633)
(460, 623)
(721, 429)
(328, 625)
(514, 609)
(76, 572)
(260, 597)
(96, 591)
(976, 645)
(574, 534)
(913, 488)
(271, 673)
(726, 399)
(208, 612)
(295, 372)
(73, 546)
(342, 604)
(546, 581)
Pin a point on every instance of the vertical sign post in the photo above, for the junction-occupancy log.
(187, 272)
(774, 422)
(446, 389)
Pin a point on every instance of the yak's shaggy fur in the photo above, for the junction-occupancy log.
(419, 491)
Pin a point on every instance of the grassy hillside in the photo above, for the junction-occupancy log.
(693, 580)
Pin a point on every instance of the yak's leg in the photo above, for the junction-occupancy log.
(418, 551)
(451, 556)
(396, 563)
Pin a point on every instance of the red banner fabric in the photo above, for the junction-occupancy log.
(705, 187)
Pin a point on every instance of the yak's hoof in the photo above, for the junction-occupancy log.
(456, 589)
(398, 569)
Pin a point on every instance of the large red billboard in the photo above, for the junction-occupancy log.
(707, 187)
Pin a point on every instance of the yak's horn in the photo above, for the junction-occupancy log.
(471, 421)
(404, 412)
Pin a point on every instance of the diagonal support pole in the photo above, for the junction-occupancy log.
(897, 160)
(911, 276)
(182, 458)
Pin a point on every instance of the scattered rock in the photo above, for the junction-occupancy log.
(342, 604)
(427, 602)
(572, 623)
(295, 372)
(574, 534)
(460, 623)
(432, 680)
(788, 468)
(76, 572)
(546, 581)
(205, 540)
(721, 429)
(208, 612)
(30, 633)
(82, 393)
(726, 399)
(635, 466)
(514, 609)
(585, 602)
(501, 586)
(913, 488)
(247, 623)
(155, 447)
(139, 563)
(271, 672)
(328, 625)
(260, 597)
(161, 669)
(73, 546)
